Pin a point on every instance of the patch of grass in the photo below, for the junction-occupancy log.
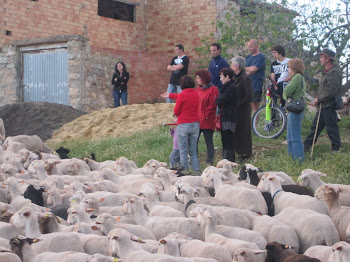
(268, 154)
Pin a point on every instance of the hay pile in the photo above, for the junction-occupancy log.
(115, 122)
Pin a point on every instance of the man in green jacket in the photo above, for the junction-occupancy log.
(329, 87)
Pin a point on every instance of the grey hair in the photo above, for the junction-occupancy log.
(240, 61)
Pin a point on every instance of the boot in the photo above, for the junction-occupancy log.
(229, 155)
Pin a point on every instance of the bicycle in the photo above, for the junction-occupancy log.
(269, 121)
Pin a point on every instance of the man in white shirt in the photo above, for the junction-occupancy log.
(279, 71)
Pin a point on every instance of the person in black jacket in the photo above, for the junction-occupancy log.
(228, 113)
(120, 81)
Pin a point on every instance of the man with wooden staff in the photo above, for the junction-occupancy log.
(325, 101)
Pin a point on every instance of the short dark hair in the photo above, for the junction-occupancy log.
(204, 75)
(279, 49)
(218, 46)
(227, 72)
(181, 47)
(186, 82)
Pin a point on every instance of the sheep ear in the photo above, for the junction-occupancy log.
(95, 228)
(117, 219)
(137, 239)
(162, 241)
(158, 187)
(163, 164)
(233, 164)
(26, 214)
(89, 209)
(242, 253)
(340, 248)
(101, 199)
(258, 252)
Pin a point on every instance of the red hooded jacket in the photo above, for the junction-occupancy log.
(207, 106)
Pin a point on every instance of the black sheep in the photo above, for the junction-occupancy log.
(35, 195)
(277, 252)
(63, 153)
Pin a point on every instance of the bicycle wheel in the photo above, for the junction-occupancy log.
(272, 128)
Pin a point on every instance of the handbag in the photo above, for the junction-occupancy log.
(218, 125)
(294, 105)
(338, 102)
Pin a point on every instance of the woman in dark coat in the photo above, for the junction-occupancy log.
(227, 108)
(243, 134)
(120, 81)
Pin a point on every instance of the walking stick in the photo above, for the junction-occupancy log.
(318, 120)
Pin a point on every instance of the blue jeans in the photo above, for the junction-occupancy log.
(172, 89)
(295, 144)
(117, 95)
(187, 134)
(174, 158)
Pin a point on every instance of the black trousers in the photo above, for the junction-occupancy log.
(328, 119)
(228, 145)
(208, 137)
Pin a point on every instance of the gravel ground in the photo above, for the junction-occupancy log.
(40, 119)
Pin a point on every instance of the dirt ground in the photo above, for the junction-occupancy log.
(40, 119)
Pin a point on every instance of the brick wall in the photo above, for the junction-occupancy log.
(146, 46)
(172, 22)
(30, 19)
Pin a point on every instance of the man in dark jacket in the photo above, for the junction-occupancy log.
(216, 64)
(329, 87)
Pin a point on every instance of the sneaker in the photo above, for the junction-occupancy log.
(197, 173)
(335, 151)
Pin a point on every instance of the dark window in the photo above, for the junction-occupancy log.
(7, 32)
(120, 10)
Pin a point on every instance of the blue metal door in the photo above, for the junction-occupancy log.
(45, 77)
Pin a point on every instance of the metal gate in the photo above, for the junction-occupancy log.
(45, 77)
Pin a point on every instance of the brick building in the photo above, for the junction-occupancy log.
(65, 51)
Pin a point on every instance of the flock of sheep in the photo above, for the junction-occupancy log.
(80, 210)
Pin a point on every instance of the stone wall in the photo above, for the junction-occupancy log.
(9, 76)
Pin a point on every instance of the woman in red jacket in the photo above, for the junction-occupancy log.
(186, 110)
(207, 94)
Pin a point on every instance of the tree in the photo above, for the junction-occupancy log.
(304, 30)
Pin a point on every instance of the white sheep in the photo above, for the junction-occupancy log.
(311, 227)
(274, 230)
(339, 214)
(323, 253)
(246, 255)
(162, 226)
(235, 196)
(341, 252)
(281, 199)
(187, 247)
(32, 143)
(313, 179)
(156, 208)
(207, 218)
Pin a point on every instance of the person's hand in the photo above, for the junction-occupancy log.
(165, 95)
(316, 100)
(115, 79)
(276, 88)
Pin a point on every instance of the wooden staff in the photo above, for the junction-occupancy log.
(318, 120)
